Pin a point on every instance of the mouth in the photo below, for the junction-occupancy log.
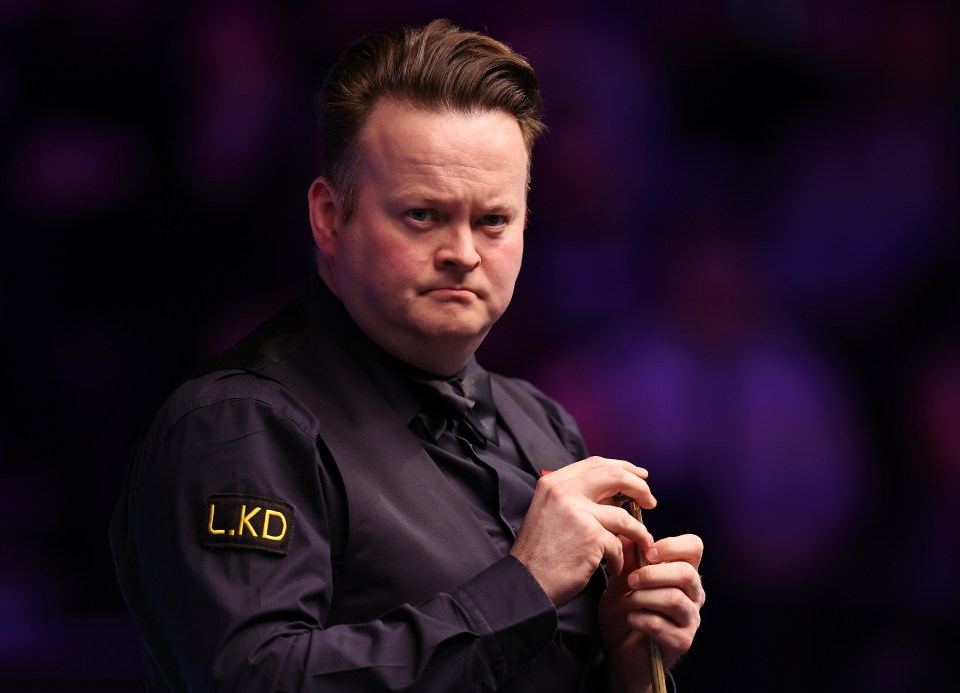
(452, 292)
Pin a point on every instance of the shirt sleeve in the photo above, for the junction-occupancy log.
(244, 618)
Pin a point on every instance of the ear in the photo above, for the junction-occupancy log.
(324, 212)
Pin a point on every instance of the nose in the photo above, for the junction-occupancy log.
(457, 249)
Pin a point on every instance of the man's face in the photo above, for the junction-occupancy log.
(429, 260)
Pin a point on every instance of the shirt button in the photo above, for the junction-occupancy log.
(526, 654)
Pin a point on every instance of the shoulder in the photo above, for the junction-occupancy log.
(222, 431)
(223, 411)
(236, 379)
(234, 389)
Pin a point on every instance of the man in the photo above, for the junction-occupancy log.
(347, 500)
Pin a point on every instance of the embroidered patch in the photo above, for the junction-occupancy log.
(241, 521)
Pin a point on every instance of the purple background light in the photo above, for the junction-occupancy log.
(741, 273)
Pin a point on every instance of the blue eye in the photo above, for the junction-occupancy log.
(420, 215)
(493, 220)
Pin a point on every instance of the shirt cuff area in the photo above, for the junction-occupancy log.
(513, 614)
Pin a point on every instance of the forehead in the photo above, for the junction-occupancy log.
(485, 143)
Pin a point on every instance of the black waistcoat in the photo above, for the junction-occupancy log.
(409, 535)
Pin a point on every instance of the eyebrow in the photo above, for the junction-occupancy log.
(432, 200)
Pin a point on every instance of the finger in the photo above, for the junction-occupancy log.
(687, 548)
(602, 479)
(617, 521)
(670, 604)
(679, 601)
(676, 576)
(613, 527)
(625, 465)
(674, 638)
(618, 581)
(613, 553)
(591, 463)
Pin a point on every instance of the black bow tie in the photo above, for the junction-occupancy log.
(466, 400)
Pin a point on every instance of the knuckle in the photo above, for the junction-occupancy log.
(676, 599)
(690, 625)
(683, 642)
(687, 575)
(546, 482)
(596, 534)
(656, 626)
(614, 550)
(551, 491)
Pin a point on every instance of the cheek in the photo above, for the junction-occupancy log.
(505, 264)
(391, 269)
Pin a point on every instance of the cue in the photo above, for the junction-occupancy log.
(657, 675)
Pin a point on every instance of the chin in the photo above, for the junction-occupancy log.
(465, 331)
(461, 323)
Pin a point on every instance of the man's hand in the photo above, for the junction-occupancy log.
(662, 601)
(573, 524)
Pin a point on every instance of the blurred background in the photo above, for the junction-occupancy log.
(741, 273)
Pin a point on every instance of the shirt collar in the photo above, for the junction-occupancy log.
(393, 378)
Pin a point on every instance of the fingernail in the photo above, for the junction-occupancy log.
(633, 581)
(652, 554)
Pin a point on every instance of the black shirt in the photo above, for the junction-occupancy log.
(242, 620)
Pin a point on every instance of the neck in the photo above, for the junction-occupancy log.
(436, 358)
